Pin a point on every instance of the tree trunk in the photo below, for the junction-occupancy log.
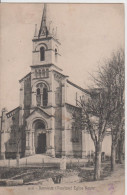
(113, 156)
(97, 166)
(121, 146)
(18, 154)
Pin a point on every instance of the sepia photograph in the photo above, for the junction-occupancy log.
(62, 98)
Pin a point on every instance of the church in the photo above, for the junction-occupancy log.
(44, 122)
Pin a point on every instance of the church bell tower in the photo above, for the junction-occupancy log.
(45, 44)
(45, 61)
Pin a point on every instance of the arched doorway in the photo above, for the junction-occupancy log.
(41, 147)
(40, 136)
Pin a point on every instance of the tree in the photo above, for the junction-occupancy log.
(96, 111)
(16, 131)
(120, 147)
(105, 107)
(111, 77)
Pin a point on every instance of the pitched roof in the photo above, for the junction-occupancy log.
(25, 77)
(42, 110)
(12, 112)
(78, 87)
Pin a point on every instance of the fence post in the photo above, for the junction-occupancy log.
(63, 163)
(78, 163)
(42, 162)
(17, 162)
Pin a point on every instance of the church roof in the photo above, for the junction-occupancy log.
(72, 105)
(60, 73)
(95, 91)
(78, 87)
(12, 112)
(25, 77)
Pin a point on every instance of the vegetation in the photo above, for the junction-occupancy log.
(104, 108)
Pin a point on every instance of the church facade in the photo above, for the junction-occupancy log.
(44, 122)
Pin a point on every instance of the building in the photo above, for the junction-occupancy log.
(44, 121)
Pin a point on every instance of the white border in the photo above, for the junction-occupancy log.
(91, 1)
(63, 1)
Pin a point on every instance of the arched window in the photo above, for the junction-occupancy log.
(42, 54)
(38, 124)
(38, 91)
(41, 94)
(38, 97)
(45, 96)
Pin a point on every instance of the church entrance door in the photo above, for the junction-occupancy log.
(41, 148)
(39, 136)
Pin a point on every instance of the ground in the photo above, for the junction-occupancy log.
(77, 177)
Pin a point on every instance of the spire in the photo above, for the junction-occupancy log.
(43, 28)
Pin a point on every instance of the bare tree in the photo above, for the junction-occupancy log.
(111, 77)
(105, 107)
(115, 83)
(96, 111)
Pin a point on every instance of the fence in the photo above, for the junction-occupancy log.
(51, 163)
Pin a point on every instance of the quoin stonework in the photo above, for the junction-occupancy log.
(45, 121)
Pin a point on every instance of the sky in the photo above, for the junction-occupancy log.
(88, 33)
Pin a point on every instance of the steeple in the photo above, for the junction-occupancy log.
(43, 28)
(46, 47)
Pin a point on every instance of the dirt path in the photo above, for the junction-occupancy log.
(111, 185)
